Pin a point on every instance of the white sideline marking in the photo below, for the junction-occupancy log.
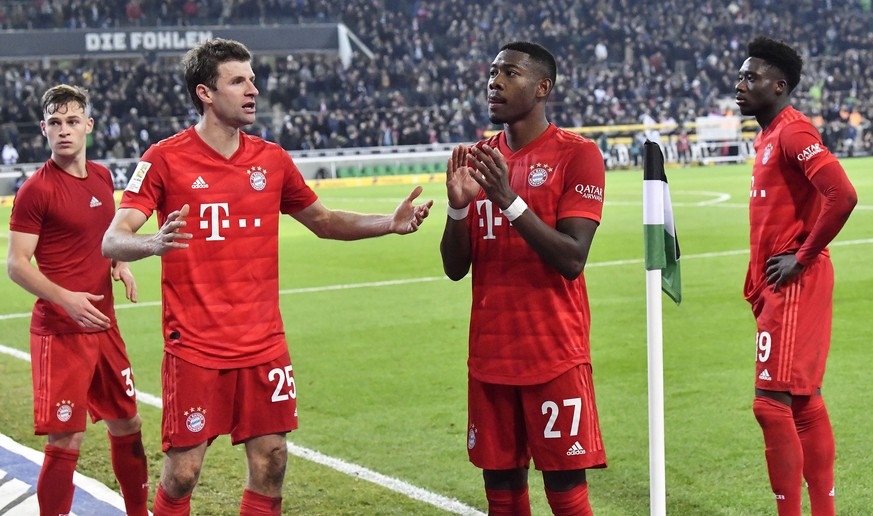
(416, 493)
(95, 488)
(389, 283)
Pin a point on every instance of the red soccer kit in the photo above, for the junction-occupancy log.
(528, 323)
(221, 294)
(530, 391)
(73, 367)
(70, 215)
(794, 323)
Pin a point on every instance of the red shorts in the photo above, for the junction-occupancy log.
(200, 404)
(555, 423)
(794, 331)
(75, 373)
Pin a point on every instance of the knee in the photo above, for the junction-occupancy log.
(269, 467)
(179, 480)
(561, 481)
(505, 479)
(68, 441)
(768, 410)
(122, 427)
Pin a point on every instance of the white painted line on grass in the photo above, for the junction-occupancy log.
(99, 491)
(390, 283)
(399, 486)
(394, 484)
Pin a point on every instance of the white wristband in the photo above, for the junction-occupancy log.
(457, 214)
(514, 210)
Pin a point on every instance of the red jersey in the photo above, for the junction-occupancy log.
(784, 205)
(528, 323)
(70, 215)
(221, 294)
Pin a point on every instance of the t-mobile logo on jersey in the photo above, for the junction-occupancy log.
(487, 218)
(217, 218)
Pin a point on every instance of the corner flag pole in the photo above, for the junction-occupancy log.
(662, 273)
(654, 337)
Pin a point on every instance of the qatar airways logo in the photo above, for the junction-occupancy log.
(810, 151)
(216, 216)
(590, 192)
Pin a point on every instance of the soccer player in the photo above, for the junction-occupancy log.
(523, 209)
(79, 361)
(800, 199)
(219, 193)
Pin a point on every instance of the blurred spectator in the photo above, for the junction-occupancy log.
(424, 83)
(10, 154)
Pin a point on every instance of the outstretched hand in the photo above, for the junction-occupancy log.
(408, 217)
(781, 269)
(167, 237)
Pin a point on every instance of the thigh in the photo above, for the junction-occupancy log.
(197, 403)
(496, 438)
(62, 367)
(112, 394)
(265, 400)
(562, 423)
(793, 332)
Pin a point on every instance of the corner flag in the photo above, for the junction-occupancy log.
(662, 270)
(659, 232)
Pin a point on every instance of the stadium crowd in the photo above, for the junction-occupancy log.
(620, 62)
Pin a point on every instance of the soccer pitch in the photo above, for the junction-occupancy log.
(378, 340)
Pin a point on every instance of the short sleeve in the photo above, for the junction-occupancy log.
(801, 144)
(584, 183)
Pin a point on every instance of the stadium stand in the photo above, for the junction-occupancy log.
(620, 64)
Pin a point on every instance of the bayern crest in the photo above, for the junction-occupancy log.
(538, 174)
(195, 419)
(65, 410)
(767, 150)
(257, 178)
(471, 437)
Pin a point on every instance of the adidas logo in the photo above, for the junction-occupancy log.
(95, 202)
(765, 375)
(576, 449)
(199, 183)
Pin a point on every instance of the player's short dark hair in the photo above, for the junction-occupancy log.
(200, 64)
(61, 95)
(538, 54)
(780, 56)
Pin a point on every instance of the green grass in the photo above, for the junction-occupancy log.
(381, 370)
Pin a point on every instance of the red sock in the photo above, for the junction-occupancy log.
(131, 469)
(570, 503)
(506, 502)
(54, 489)
(783, 451)
(167, 506)
(817, 439)
(255, 504)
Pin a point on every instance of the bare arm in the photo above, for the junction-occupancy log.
(21, 270)
(347, 225)
(461, 189)
(122, 243)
